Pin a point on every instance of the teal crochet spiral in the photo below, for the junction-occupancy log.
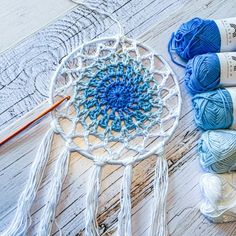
(213, 109)
(202, 73)
(217, 151)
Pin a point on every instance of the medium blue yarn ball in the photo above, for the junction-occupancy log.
(213, 109)
(203, 73)
(217, 150)
(196, 37)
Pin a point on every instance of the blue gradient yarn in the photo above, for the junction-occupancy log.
(217, 151)
(119, 94)
(213, 109)
(202, 73)
(196, 36)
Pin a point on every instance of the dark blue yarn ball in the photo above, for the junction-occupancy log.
(196, 37)
(213, 110)
(202, 73)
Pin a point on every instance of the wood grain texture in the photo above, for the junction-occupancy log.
(29, 66)
(21, 18)
(25, 70)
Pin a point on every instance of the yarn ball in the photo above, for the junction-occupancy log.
(213, 109)
(217, 150)
(218, 192)
(202, 73)
(211, 188)
(196, 36)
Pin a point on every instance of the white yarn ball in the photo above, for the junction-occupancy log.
(211, 187)
(219, 197)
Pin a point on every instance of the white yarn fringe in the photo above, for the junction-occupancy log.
(91, 225)
(158, 224)
(124, 217)
(22, 220)
(60, 172)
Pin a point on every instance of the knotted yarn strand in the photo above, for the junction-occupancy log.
(91, 225)
(159, 224)
(124, 217)
(21, 220)
(60, 172)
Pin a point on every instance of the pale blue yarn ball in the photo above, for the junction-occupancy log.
(217, 150)
(203, 73)
(195, 37)
(213, 109)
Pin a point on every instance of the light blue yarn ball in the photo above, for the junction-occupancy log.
(213, 110)
(217, 150)
(195, 37)
(203, 73)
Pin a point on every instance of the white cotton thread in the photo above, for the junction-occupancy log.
(124, 217)
(100, 11)
(49, 211)
(22, 220)
(59, 228)
(93, 188)
(158, 222)
(119, 47)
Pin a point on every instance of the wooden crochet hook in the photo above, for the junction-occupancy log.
(56, 104)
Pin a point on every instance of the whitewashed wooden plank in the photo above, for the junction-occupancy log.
(184, 217)
(21, 18)
(28, 67)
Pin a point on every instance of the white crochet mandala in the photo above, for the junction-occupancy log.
(124, 106)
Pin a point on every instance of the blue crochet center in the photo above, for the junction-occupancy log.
(118, 95)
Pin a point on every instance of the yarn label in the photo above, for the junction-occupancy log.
(232, 92)
(227, 28)
(227, 68)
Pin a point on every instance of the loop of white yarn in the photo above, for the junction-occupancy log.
(91, 225)
(21, 220)
(158, 223)
(60, 172)
(55, 127)
(124, 217)
(219, 191)
(90, 6)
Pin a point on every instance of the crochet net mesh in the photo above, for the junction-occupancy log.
(125, 101)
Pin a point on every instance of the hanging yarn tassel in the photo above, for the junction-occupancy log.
(60, 172)
(219, 204)
(159, 224)
(91, 225)
(21, 220)
(124, 217)
(202, 73)
(214, 109)
(217, 150)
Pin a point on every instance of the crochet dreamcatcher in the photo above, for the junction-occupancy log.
(124, 106)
